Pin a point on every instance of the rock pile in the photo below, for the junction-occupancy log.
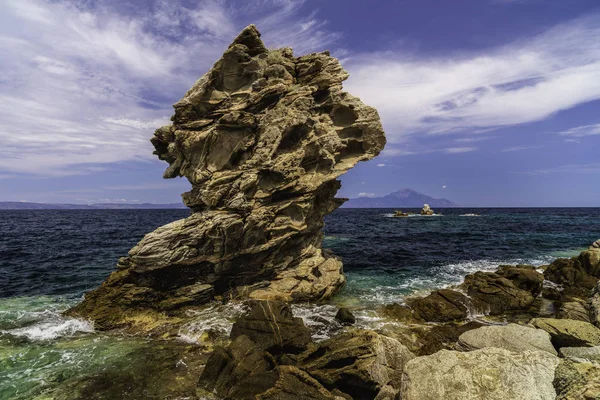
(262, 137)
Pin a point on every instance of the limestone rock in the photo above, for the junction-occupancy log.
(581, 354)
(441, 306)
(496, 294)
(590, 260)
(427, 210)
(272, 327)
(568, 332)
(358, 362)
(595, 245)
(345, 317)
(512, 337)
(262, 137)
(577, 381)
(488, 373)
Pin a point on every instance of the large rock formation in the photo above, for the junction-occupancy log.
(262, 137)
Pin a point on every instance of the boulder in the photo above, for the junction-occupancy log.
(426, 210)
(401, 313)
(524, 277)
(442, 337)
(512, 337)
(577, 381)
(272, 327)
(594, 306)
(573, 310)
(569, 272)
(441, 306)
(489, 373)
(595, 245)
(581, 354)
(590, 261)
(359, 363)
(262, 138)
(568, 332)
(493, 293)
(345, 317)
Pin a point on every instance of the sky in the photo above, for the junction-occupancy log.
(485, 102)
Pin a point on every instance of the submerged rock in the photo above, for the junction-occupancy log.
(490, 373)
(262, 137)
(510, 337)
(345, 317)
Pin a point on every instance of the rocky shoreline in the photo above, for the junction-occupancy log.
(509, 334)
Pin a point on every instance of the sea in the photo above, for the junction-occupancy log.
(50, 258)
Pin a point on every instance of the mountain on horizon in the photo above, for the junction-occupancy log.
(407, 198)
(23, 205)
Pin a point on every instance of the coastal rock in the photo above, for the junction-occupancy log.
(581, 354)
(568, 332)
(512, 337)
(345, 317)
(441, 306)
(573, 310)
(524, 277)
(577, 381)
(262, 137)
(426, 210)
(590, 260)
(272, 327)
(488, 373)
(493, 293)
(595, 245)
(359, 363)
(594, 305)
(570, 272)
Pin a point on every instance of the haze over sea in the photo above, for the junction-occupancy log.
(49, 258)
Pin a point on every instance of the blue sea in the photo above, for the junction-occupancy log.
(49, 258)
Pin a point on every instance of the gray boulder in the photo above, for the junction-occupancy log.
(510, 337)
(581, 354)
(490, 373)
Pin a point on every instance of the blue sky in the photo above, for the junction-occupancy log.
(485, 102)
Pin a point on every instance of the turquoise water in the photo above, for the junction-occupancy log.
(48, 259)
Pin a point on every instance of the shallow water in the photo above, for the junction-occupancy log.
(49, 258)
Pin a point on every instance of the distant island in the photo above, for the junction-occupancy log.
(22, 205)
(407, 198)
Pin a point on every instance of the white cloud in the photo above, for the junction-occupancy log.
(522, 82)
(363, 194)
(82, 84)
(519, 148)
(381, 165)
(457, 150)
(582, 131)
(473, 139)
(444, 187)
(590, 168)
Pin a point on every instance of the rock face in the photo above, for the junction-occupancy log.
(581, 354)
(359, 363)
(441, 306)
(575, 381)
(489, 374)
(510, 337)
(262, 137)
(569, 332)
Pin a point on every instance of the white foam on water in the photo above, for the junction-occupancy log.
(216, 317)
(470, 215)
(53, 327)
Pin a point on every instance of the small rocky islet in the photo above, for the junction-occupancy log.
(262, 138)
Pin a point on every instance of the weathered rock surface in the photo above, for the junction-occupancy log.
(359, 363)
(577, 381)
(510, 337)
(573, 310)
(441, 306)
(594, 305)
(524, 277)
(568, 332)
(262, 137)
(488, 373)
(581, 354)
(570, 272)
(493, 293)
(272, 327)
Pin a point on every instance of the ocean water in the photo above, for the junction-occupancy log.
(49, 258)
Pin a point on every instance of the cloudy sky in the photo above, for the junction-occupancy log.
(485, 102)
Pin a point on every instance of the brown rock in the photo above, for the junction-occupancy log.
(495, 294)
(441, 306)
(524, 277)
(262, 137)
